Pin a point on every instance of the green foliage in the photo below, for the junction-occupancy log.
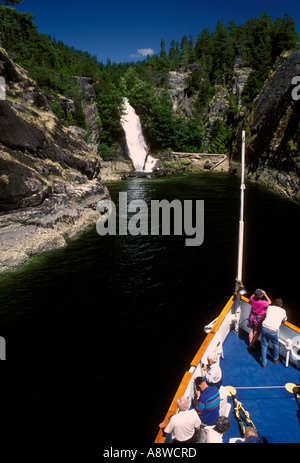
(109, 100)
(204, 50)
(159, 122)
(265, 40)
(139, 91)
(58, 110)
(107, 152)
(259, 41)
(173, 54)
(53, 65)
(38, 53)
(79, 117)
(284, 35)
(222, 53)
(155, 112)
(220, 138)
(162, 128)
(254, 84)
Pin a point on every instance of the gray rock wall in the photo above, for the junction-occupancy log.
(50, 179)
(273, 131)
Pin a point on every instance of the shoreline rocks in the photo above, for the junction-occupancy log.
(272, 131)
(35, 230)
(287, 184)
(50, 179)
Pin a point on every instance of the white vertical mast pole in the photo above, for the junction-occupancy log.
(239, 277)
(239, 288)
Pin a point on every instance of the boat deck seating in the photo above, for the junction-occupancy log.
(274, 410)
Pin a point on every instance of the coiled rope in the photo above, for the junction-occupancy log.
(240, 413)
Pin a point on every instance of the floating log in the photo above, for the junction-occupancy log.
(147, 154)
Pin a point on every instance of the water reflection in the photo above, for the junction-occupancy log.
(127, 305)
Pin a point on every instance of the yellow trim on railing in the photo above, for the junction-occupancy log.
(173, 407)
(212, 332)
(160, 438)
(288, 324)
(293, 327)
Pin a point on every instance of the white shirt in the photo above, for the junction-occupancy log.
(275, 316)
(223, 402)
(183, 424)
(213, 373)
(214, 437)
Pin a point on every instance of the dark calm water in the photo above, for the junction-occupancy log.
(100, 333)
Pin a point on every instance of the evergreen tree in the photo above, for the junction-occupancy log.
(160, 122)
(110, 105)
(173, 53)
(204, 49)
(222, 52)
(205, 93)
(79, 117)
(220, 138)
(238, 39)
(191, 50)
(163, 58)
(184, 51)
(53, 65)
(163, 53)
(284, 35)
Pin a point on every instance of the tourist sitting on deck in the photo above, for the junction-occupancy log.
(215, 434)
(185, 425)
(207, 406)
(257, 314)
(250, 436)
(270, 329)
(224, 405)
(213, 372)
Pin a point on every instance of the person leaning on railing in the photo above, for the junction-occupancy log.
(257, 314)
(270, 330)
(185, 425)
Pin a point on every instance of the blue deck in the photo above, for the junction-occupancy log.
(274, 411)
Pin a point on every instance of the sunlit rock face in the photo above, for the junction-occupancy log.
(50, 179)
(273, 130)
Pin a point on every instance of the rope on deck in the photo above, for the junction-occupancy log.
(242, 414)
(259, 387)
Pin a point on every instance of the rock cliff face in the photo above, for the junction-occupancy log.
(240, 76)
(49, 177)
(110, 170)
(272, 127)
(273, 131)
(176, 84)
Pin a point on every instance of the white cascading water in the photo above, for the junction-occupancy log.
(135, 140)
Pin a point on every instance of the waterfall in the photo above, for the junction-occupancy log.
(135, 140)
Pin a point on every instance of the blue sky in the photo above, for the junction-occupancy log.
(125, 30)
